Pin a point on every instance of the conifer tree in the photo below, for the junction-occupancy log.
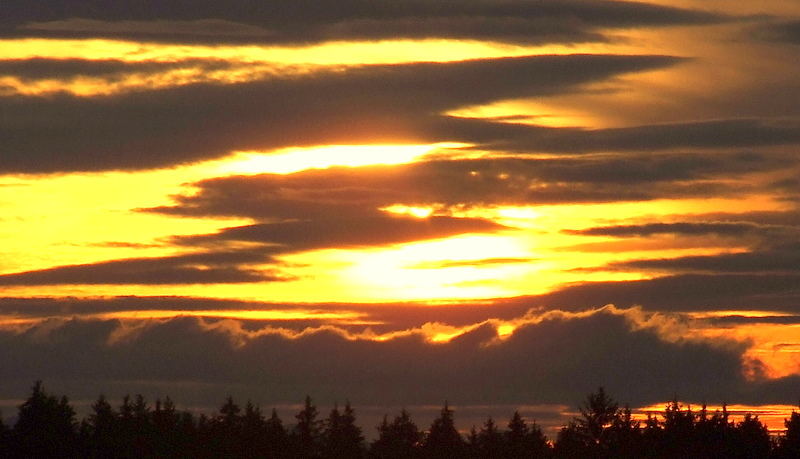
(306, 433)
(45, 426)
(226, 430)
(789, 442)
(489, 440)
(752, 438)
(443, 440)
(516, 436)
(275, 437)
(102, 429)
(523, 441)
(5, 439)
(143, 428)
(625, 436)
(588, 435)
(253, 426)
(473, 446)
(399, 439)
(169, 438)
(342, 437)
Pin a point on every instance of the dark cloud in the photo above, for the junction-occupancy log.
(733, 229)
(781, 218)
(555, 359)
(784, 259)
(773, 390)
(115, 70)
(203, 268)
(734, 320)
(337, 193)
(312, 21)
(786, 31)
(634, 169)
(355, 105)
(682, 292)
(347, 231)
(726, 133)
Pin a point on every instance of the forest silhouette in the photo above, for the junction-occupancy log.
(46, 427)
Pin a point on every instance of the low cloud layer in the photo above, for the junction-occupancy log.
(549, 358)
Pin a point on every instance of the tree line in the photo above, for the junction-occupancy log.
(46, 427)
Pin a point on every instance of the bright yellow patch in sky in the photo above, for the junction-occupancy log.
(243, 62)
(505, 330)
(330, 53)
(79, 218)
(97, 220)
(292, 160)
(416, 211)
(531, 111)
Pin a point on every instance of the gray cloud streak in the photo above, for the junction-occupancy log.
(355, 105)
(312, 21)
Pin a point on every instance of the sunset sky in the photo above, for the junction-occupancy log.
(502, 203)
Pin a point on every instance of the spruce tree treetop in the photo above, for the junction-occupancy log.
(443, 440)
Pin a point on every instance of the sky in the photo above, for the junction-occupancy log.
(501, 203)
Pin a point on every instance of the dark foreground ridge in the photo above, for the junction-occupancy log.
(46, 427)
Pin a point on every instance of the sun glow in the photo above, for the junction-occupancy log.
(452, 268)
(419, 212)
(505, 330)
(290, 160)
(329, 53)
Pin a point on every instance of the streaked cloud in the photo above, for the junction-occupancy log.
(549, 21)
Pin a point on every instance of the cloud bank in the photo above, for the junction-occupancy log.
(551, 357)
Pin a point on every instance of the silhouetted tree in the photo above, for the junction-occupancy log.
(588, 435)
(678, 430)
(624, 436)
(101, 429)
(489, 440)
(570, 443)
(223, 433)
(473, 449)
(525, 441)
(443, 440)
(189, 433)
(169, 438)
(789, 442)
(751, 440)
(275, 437)
(341, 437)
(306, 433)
(5, 439)
(252, 438)
(142, 423)
(45, 427)
(396, 440)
